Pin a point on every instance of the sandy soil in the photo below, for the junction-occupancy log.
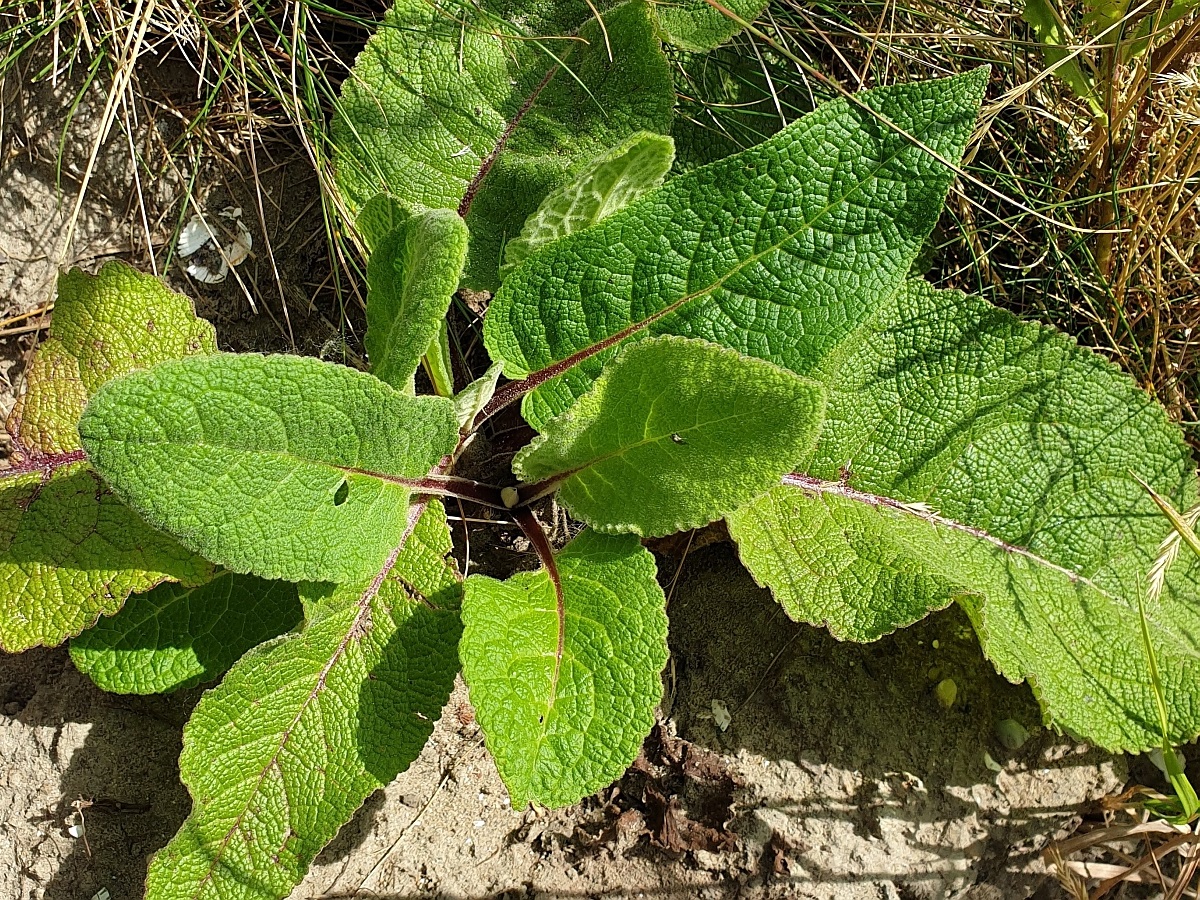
(839, 774)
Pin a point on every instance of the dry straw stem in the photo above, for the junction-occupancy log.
(1147, 852)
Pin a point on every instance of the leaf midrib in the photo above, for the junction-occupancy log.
(473, 185)
(803, 228)
(409, 481)
(541, 740)
(355, 630)
(822, 488)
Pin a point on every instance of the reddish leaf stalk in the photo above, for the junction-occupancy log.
(533, 530)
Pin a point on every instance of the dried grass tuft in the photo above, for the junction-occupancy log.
(1091, 222)
(259, 86)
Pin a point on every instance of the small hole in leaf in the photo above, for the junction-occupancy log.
(342, 493)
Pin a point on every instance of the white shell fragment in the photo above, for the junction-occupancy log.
(77, 830)
(195, 234)
(721, 715)
(213, 259)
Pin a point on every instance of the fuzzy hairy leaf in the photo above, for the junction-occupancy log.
(565, 691)
(104, 326)
(175, 637)
(411, 278)
(777, 252)
(453, 106)
(73, 552)
(673, 435)
(968, 456)
(305, 727)
(283, 466)
(699, 25)
(438, 362)
(379, 217)
(69, 550)
(470, 401)
(607, 185)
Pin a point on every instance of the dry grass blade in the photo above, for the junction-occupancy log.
(1182, 530)
(1161, 840)
(212, 99)
(1112, 833)
(1070, 880)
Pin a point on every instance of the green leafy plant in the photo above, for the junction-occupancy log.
(742, 341)
(1122, 59)
(1125, 30)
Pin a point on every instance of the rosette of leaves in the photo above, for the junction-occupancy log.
(739, 342)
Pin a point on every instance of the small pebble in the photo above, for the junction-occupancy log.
(721, 716)
(947, 692)
(1012, 734)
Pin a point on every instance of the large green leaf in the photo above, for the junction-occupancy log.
(487, 107)
(283, 466)
(379, 217)
(564, 683)
(104, 326)
(777, 252)
(968, 456)
(411, 278)
(175, 636)
(673, 435)
(607, 185)
(69, 550)
(305, 727)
